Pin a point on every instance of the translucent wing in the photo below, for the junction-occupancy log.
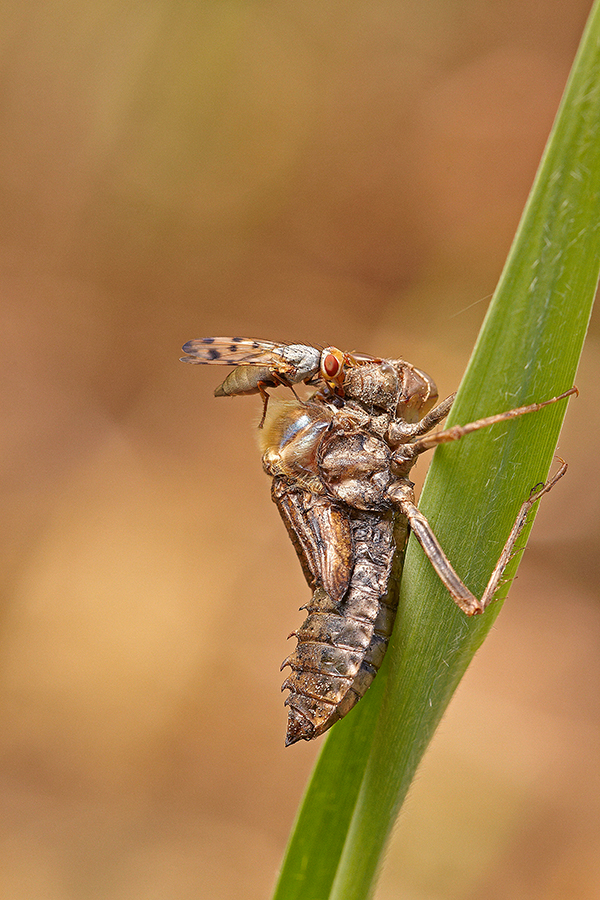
(232, 351)
(296, 361)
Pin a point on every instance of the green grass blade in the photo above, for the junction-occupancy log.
(528, 350)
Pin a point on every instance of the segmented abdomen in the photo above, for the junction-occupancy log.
(245, 380)
(341, 644)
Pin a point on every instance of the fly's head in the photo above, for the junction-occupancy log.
(330, 376)
(331, 368)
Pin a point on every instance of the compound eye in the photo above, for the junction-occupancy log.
(332, 362)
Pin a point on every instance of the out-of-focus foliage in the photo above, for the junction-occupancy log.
(349, 175)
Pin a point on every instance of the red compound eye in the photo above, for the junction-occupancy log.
(332, 363)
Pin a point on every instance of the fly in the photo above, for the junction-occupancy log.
(261, 364)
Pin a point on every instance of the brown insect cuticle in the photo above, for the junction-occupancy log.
(340, 464)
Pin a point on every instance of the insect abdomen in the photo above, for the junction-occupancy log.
(341, 645)
(245, 380)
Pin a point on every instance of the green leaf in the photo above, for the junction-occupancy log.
(528, 350)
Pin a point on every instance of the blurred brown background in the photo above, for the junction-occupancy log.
(346, 173)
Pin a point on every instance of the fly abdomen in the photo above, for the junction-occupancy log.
(245, 380)
(341, 644)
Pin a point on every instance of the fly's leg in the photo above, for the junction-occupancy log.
(276, 379)
(265, 400)
(402, 496)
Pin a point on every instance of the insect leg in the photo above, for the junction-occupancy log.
(265, 399)
(434, 417)
(402, 432)
(275, 378)
(460, 593)
(458, 431)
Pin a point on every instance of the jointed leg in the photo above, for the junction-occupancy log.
(460, 593)
(275, 380)
(459, 431)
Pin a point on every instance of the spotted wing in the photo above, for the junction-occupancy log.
(301, 359)
(231, 351)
